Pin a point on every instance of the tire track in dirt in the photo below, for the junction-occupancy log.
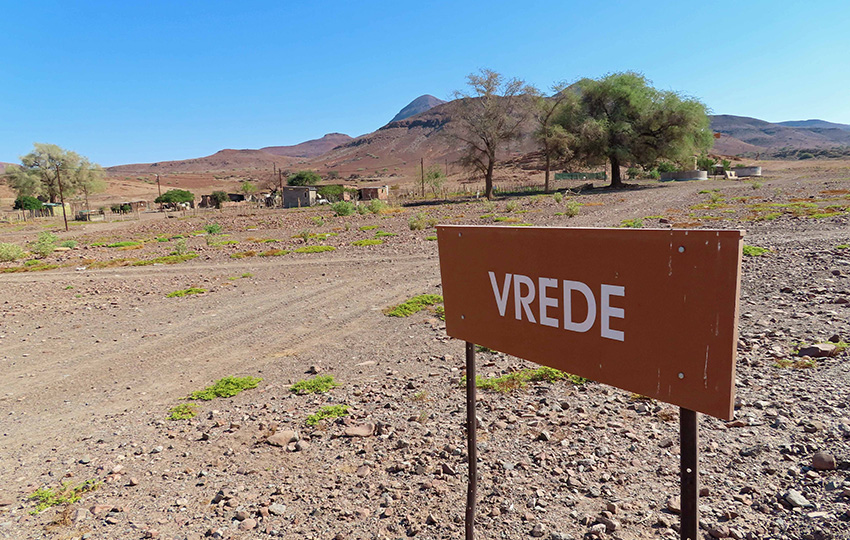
(228, 331)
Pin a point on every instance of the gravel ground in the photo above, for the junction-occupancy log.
(94, 355)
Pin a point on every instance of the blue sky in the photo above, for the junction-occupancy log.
(128, 82)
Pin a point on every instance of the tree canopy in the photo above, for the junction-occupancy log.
(43, 170)
(175, 196)
(304, 178)
(25, 202)
(622, 119)
(218, 198)
(488, 116)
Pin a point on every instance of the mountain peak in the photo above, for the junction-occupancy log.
(418, 105)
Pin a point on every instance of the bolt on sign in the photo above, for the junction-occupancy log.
(650, 311)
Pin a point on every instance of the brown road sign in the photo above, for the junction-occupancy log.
(649, 311)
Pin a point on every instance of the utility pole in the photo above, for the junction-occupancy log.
(422, 167)
(159, 190)
(62, 197)
(447, 167)
(280, 181)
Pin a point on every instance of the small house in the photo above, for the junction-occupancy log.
(374, 192)
(298, 196)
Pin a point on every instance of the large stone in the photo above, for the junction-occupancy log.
(796, 499)
(283, 438)
(823, 461)
(360, 430)
(818, 350)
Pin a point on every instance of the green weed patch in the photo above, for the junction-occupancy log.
(414, 305)
(330, 411)
(226, 387)
(316, 385)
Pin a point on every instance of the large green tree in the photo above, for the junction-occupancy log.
(304, 178)
(488, 116)
(54, 173)
(623, 120)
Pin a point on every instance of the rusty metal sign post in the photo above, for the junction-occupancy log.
(650, 311)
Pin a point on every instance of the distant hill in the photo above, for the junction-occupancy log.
(419, 105)
(311, 148)
(767, 136)
(397, 147)
(223, 160)
(3, 166)
(816, 124)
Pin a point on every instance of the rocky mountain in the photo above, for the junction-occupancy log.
(417, 106)
(311, 148)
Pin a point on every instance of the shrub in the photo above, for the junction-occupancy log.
(368, 227)
(420, 221)
(45, 245)
(226, 387)
(519, 379)
(168, 259)
(212, 228)
(414, 305)
(318, 221)
(184, 411)
(635, 223)
(381, 234)
(666, 166)
(10, 252)
(65, 494)
(330, 411)
(316, 385)
(26, 202)
(557, 197)
(243, 254)
(367, 242)
(511, 206)
(68, 244)
(314, 249)
(572, 208)
(185, 292)
(274, 253)
(376, 206)
(755, 251)
(633, 173)
(179, 247)
(343, 208)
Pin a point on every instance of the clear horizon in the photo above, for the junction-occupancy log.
(126, 83)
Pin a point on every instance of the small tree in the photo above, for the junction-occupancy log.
(248, 188)
(623, 120)
(218, 198)
(175, 196)
(304, 178)
(487, 118)
(435, 178)
(554, 140)
(87, 178)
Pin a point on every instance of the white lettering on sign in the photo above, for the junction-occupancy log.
(525, 292)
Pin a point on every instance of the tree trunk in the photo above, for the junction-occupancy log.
(488, 181)
(546, 183)
(616, 181)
